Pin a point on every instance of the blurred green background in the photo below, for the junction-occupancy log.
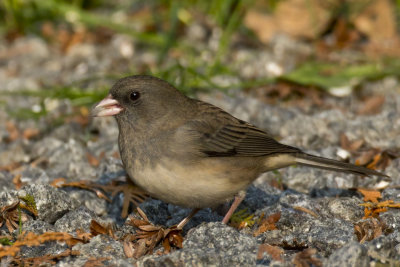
(161, 28)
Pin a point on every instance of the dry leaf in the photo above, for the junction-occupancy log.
(13, 132)
(10, 167)
(92, 160)
(370, 195)
(372, 105)
(366, 157)
(306, 211)
(84, 236)
(268, 224)
(374, 158)
(348, 145)
(96, 262)
(274, 251)
(31, 239)
(373, 209)
(58, 182)
(99, 229)
(369, 229)
(10, 215)
(149, 236)
(305, 258)
(301, 96)
(30, 133)
(39, 160)
(264, 25)
(17, 181)
(313, 21)
(42, 260)
(378, 21)
(129, 250)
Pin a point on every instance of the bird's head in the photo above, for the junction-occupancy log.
(140, 97)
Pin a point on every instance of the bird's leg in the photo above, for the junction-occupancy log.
(187, 219)
(238, 199)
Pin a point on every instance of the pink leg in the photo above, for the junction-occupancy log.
(186, 219)
(238, 199)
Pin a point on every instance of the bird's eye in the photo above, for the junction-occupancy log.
(134, 96)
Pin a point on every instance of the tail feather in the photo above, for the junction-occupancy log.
(334, 165)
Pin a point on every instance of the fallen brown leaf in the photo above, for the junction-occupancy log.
(92, 160)
(10, 215)
(366, 157)
(30, 133)
(116, 155)
(369, 229)
(375, 160)
(129, 249)
(84, 236)
(306, 211)
(305, 258)
(39, 160)
(13, 132)
(274, 251)
(268, 224)
(372, 105)
(370, 195)
(17, 181)
(10, 167)
(378, 21)
(373, 209)
(32, 239)
(148, 236)
(44, 260)
(294, 94)
(95, 262)
(348, 145)
(264, 25)
(99, 229)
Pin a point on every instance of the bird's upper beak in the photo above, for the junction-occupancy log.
(107, 107)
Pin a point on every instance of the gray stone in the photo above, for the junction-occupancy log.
(211, 244)
(101, 246)
(51, 203)
(78, 219)
(351, 255)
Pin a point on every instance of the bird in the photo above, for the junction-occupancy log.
(191, 153)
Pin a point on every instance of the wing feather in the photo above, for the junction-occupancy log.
(220, 134)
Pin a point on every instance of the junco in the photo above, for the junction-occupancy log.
(191, 153)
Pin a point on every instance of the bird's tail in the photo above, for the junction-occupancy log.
(334, 165)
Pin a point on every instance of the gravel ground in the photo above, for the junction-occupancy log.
(61, 150)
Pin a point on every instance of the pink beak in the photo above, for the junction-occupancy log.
(107, 107)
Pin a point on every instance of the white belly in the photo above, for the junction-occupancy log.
(197, 187)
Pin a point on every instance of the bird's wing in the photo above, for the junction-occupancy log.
(218, 134)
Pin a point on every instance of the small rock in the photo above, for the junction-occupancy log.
(78, 219)
(51, 203)
(351, 255)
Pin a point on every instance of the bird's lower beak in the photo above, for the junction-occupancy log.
(106, 107)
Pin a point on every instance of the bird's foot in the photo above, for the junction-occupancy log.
(148, 236)
(238, 199)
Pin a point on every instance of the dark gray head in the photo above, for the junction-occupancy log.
(143, 98)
